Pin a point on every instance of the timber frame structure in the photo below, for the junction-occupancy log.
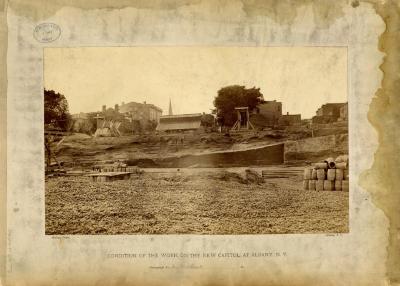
(243, 121)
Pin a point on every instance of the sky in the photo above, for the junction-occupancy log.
(302, 78)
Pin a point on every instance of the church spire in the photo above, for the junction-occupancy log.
(170, 107)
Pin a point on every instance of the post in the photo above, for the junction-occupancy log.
(247, 118)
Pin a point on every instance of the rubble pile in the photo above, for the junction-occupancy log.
(329, 175)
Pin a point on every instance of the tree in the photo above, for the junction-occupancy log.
(151, 125)
(233, 96)
(56, 113)
(207, 120)
(56, 116)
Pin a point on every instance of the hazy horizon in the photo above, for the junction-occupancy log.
(302, 78)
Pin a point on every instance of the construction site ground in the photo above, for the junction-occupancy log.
(193, 201)
(83, 149)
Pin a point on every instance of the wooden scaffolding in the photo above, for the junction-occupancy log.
(243, 121)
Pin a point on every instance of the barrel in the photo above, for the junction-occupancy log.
(311, 185)
(314, 174)
(307, 174)
(338, 185)
(339, 174)
(321, 166)
(331, 163)
(331, 174)
(342, 159)
(321, 174)
(345, 186)
(341, 166)
(329, 185)
(345, 174)
(319, 185)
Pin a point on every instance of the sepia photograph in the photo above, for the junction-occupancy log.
(196, 140)
(199, 142)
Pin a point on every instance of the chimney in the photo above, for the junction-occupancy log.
(144, 102)
(116, 108)
(104, 108)
(287, 113)
(170, 108)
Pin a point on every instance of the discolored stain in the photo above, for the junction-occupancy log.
(382, 180)
(325, 12)
(355, 4)
(47, 8)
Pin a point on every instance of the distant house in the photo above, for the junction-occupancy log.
(328, 113)
(81, 123)
(144, 112)
(289, 119)
(134, 117)
(180, 123)
(271, 111)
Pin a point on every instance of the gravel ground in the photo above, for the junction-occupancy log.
(187, 205)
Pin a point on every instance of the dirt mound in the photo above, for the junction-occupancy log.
(77, 137)
(230, 177)
(253, 177)
(250, 177)
(142, 163)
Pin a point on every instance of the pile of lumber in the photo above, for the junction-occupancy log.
(329, 175)
(116, 167)
(281, 173)
(55, 170)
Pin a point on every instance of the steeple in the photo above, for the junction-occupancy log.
(170, 107)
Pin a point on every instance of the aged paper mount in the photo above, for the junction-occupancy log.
(366, 255)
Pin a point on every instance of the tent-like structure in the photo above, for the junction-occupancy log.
(107, 128)
(181, 122)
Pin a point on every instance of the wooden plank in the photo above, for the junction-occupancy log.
(108, 174)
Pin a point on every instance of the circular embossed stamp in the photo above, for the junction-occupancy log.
(47, 32)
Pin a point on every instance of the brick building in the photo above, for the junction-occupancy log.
(142, 112)
(289, 119)
(134, 117)
(329, 113)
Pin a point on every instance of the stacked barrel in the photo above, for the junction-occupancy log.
(329, 175)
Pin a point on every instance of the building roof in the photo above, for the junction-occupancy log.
(333, 105)
(270, 101)
(290, 115)
(191, 115)
(127, 106)
(179, 122)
